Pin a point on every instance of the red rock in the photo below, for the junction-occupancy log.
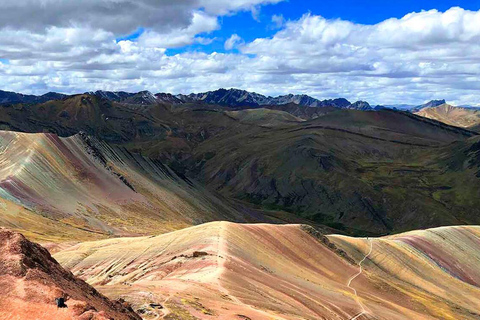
(30, 280)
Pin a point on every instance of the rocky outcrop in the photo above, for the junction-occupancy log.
(233, 98)
(360, 105)
(430, 104)
(34, 280)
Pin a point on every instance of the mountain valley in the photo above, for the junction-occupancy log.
(345, 169)
(193, 210)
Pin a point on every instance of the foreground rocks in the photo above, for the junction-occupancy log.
(31, 280)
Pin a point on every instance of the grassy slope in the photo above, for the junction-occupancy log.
(360, 171)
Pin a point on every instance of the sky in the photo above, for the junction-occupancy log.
(397, 52)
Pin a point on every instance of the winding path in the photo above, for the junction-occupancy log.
(364, 311)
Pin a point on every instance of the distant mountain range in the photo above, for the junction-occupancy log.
(233, 98)
(7, 97)
(242, 98)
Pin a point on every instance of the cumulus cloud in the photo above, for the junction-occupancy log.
(201, 23)
(118, 16)
(233, 42)
(424, 55)
(68, 45)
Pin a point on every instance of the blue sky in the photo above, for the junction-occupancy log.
(381, 52)
(362, 12)
(365, 12)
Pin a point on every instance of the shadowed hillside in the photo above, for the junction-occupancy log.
(370, 171)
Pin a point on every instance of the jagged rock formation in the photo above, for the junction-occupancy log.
(232, 98)
(430, 104)
(434, 103)
(241, 98)
(360, 105)
(112, 96)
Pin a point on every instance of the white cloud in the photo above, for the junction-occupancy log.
(232, 42)
(118, 16)
(422, 53)
(419, 57)
(278, 20)
(201, 23)
(223, 7)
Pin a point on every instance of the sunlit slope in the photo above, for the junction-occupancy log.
(435, 269)
(455, 116)
(78, 183)
(233, 271)
(222, 269)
